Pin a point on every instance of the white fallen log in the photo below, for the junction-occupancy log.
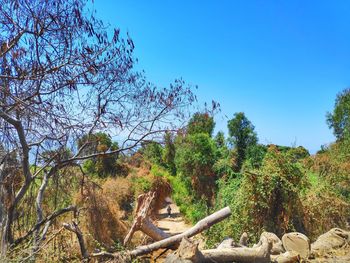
(201, 225)
(333, 239)
(286, 257)
(142, 222)
(277, 246)
(188, 252)
(297, 242)
(259, 254)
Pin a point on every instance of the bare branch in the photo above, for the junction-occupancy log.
(44, 221)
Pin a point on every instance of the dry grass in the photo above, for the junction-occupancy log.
(324, 210)
(102, 216)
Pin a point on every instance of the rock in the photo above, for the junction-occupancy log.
(333, 239)
(297, 242)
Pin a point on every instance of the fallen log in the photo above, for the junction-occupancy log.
(333, 239)
(277, 246)
(259, 254)
(142, 222)
(201, 225)
(188, 252)
(297, 242)
(286, 257)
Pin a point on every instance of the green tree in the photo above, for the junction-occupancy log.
(102, 165)
(169, 153)
(255, 156)
(339, 120)
(220, 139)
(243, 136)
(298, 153)
(201, 123)
(223, 165)
(153, 152)
(195, 158)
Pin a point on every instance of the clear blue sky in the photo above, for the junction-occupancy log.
(280, 62)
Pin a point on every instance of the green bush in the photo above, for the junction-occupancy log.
(264, 199)
(141, 184)
(182, 194)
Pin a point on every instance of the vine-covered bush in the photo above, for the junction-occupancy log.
(265, 199)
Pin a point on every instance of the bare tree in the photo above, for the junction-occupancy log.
(63, 76)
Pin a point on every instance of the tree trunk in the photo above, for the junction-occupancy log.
(39, 213)
(259, 254)
(333, 239)
(143, 206)
(3, 214)
(6, 237)
(152, 231)
(188, 252)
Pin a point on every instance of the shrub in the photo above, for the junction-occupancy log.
(333, 166)
(324, 209)
(264, 199)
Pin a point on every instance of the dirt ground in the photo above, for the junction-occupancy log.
(173, 224)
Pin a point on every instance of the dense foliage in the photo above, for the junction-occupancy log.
(195, 157)
(201, 123)
(339, 119)
(242, 136)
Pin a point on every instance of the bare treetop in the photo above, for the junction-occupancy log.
(62, 77)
